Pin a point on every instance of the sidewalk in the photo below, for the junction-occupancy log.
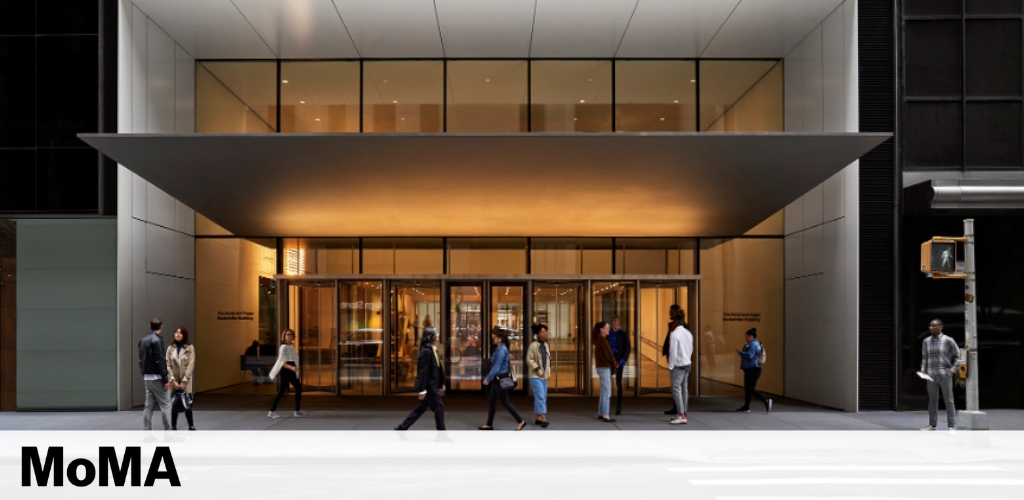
(328, 412)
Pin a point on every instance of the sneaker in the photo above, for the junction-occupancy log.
(299, 414)
(680, 419)
(768, 407)
(273, 414)
(929, 428)
(743, 410)
(952, 430)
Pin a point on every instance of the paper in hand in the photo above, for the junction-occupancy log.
(925, 376)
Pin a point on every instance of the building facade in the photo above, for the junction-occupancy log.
(358, 173)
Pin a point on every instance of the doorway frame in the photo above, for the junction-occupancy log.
(528, 282)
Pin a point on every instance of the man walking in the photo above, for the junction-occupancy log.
(154, 375)
(680, 348)
(619, 340)
(429, 383)
(939, 359)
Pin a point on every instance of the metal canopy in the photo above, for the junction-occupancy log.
(526, 184)
(964, 197)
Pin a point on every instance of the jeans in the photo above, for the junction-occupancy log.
(156, 395)
(499, 394)
(288, 377)
(604, 402)
(945, 383)
(540, 395)
(680, 376)
(436, 405)
(750, 376)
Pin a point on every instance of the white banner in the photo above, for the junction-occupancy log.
(538, 465)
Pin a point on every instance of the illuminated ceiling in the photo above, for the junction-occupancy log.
(531, 184)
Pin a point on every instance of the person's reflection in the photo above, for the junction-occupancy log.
(471, 359)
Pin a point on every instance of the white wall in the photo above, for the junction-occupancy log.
(821, 226)
(155, 232)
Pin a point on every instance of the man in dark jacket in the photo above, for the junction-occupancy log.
(678, 318)
(621, 348)
(154, 375)
(429, 383)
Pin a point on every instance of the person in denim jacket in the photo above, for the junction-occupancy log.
(499, 370)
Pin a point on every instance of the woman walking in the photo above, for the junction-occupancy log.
(605, 362)
(538, 357)
(288, 366)
(499, 371)
(750, 363)
(181, 363)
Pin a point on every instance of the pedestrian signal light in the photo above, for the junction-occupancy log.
(938, 257)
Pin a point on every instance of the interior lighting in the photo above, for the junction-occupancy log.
(488, 80)
(676, 101)
(693, 81)
(582, 101)
(284, 81)
(317, 119)
(662, 119)
(302, 102)
(385, 81)
(394, 102)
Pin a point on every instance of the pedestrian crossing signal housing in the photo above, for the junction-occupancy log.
(938, 257)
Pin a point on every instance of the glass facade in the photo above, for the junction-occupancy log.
(457, 95)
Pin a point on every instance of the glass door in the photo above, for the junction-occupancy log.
(467, 341)
(361, 345)
(507, 314)
(312, 316)
(617, 301)
(655, 301)
(414, 306)
(562, 307)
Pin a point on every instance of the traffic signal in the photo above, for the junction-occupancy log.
(938, 257)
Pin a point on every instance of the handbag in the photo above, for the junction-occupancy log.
(508, 383)
(181, 401)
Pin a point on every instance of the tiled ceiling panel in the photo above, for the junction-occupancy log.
(759, 28)
(392, 28)
(207, 29)
(486, 28)
(299, 28)
(673, 28)
(580, 28)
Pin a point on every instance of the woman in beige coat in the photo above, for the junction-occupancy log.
(538, 358)
(181, 363)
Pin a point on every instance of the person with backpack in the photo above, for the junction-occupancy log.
(752, 357)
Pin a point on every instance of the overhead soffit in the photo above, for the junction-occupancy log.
(223, 29)
(536, 184)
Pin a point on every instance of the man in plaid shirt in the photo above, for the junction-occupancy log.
(939, 359)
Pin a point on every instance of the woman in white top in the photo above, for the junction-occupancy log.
(288, 366)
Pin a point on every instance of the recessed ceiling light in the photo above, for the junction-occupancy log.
(284, 81)
(693, 81)
(574, 119)
(317, 119)
(590, 79)
(302, 102)
(403, 119)
(582, 101)
(385, 81)
(676, 101)
(488, 80)
(394, 102)
(662, 119)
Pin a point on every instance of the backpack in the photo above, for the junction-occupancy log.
(763, 357)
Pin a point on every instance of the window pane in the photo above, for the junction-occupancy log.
(321, 256)
(993, 134)
(741, 96)
(571, 256)
(18, 98)
(933, 134)
(361, 344)
(655, 96)
(487, 96)
(570, 96)
(993, 6)
(320, 96)
(931, 7)
(933, 58)
(403, 256)
(403, 96)
(487, 255)
(654, 255)
(993, 58)
(236, 96)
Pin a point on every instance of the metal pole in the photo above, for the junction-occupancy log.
(972, 419)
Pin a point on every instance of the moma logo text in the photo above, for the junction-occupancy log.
(82, 472)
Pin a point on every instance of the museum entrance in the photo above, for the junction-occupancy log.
(364, 337)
